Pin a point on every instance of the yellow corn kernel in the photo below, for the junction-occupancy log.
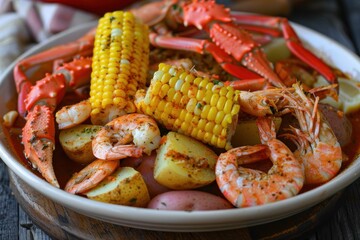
(209, 126)
(177, 97)
(198, 109)
(165, 78)
(221, 103)
(214, 99)
(197, 81)
(221, 142)
(188, 117)
(212, 114)
(191, 105)
(208, 95)
(202, 123)
(200, 134)
(228, 105)
(194, 132)
(185, 87)
(189, 78)
(173, 81)
(219, 117)
(217, 129)
(200, 94)
(161, 105)
(164, 90)
(205, 111)
(168, 107)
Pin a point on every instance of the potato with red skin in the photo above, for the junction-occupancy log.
(188, 200)
(145, 165)
(146, 168)
(339, 123)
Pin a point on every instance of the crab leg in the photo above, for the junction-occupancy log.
(50, 90)
(39, 142)
(270, 25)
(40, 103)
(81, 47)
(256, 62)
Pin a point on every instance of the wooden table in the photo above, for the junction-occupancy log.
(337, 19)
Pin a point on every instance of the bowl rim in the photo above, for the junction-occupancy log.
(178, 220)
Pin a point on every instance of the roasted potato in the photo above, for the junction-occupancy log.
(124, 187)
(184, 163)
(277, 50)
(76, 142)
(247, 132)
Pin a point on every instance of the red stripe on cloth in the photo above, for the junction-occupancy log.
(34, 22)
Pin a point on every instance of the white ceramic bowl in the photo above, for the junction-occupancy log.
(178, 220)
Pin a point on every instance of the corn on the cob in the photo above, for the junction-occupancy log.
(120, 64)
(195, 106)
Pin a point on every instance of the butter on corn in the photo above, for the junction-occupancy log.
(120, 65)
(192, 105)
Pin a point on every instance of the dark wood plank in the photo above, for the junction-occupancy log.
(63, 223)
(8, 207)
(28, 230)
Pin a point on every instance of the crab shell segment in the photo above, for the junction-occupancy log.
(39, 141)
(49, 91)
(201, 13)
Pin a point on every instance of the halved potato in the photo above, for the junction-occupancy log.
(247, 133)
(277, 50)
(124, 187)
(184, 163)
(76, 142)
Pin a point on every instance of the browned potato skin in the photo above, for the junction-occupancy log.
(188, 200)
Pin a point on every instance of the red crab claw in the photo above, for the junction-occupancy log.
(40, 102)
(254, 59)
(277, 26)
(49, 92)
(51, 89)
(231, 46)
(38, 139)
(81, 47)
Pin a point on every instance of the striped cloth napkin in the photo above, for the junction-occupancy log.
(24, 23)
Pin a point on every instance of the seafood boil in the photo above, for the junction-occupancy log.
(153, 106)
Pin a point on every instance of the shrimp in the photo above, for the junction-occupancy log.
(90, 176)
(263, 102)
(112, 141)
(245, 187)
(70, 116)
(317, 145)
